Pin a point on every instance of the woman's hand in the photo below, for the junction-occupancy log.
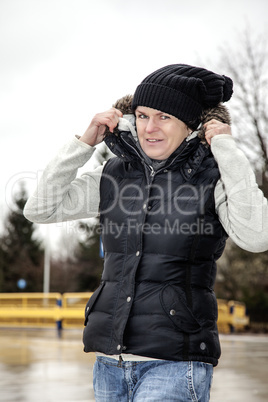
(94, 134)
(215, 127)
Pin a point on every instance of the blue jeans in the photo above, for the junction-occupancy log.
(155, 380)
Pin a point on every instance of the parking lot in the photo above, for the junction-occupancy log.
(35, 365)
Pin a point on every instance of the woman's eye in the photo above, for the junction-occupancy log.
(142, 116)
(164, 117)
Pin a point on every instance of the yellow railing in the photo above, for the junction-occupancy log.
(42, 310)
(67, 310)
(73, 307)
(30, 309)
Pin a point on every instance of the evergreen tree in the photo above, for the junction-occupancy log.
(21, 254)
(89, 260)
(88, 257)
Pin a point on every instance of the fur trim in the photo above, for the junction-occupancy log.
(219, 112)
(124, 105)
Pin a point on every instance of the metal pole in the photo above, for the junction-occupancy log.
(46, 282)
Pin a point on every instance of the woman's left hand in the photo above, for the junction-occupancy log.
(214, 127)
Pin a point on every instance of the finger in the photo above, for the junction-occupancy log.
(208, 138)
(113, 116)
(109, 118)
(212, 121)
(112, 122)
(118, 112)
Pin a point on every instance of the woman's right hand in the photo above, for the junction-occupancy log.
(94, 134)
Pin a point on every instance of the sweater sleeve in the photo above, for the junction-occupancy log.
(60, 195)
(240, 204)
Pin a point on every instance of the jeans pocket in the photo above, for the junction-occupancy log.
(199, 380)
(174, 304)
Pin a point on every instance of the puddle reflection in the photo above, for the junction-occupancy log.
(35, 365)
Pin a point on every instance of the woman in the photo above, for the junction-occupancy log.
(177, 188)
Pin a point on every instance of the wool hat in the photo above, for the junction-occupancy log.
(183, 91)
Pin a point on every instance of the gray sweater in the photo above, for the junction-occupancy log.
(241, 206)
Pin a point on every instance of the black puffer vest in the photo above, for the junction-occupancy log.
(161, 238)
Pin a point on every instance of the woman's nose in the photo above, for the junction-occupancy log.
(151, 125)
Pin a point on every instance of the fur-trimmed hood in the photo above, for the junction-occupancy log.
(123, 142)
(220, 112)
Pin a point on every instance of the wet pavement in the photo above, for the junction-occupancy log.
(35, 365)
(242, 373)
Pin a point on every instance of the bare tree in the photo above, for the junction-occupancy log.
(243, 275)
(247, 65)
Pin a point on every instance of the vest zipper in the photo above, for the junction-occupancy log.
(171, 162)
(120, 361)
(152, 171)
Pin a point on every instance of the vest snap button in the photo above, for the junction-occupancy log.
(137, 253)
(203, 346)
(172, 312)
(118, 347)
(189, 170)
(128, 299)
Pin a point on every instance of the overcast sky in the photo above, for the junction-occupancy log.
(62, 61)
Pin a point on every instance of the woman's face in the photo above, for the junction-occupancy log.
(159, 133)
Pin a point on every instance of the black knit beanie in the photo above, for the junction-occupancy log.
(183, 91)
